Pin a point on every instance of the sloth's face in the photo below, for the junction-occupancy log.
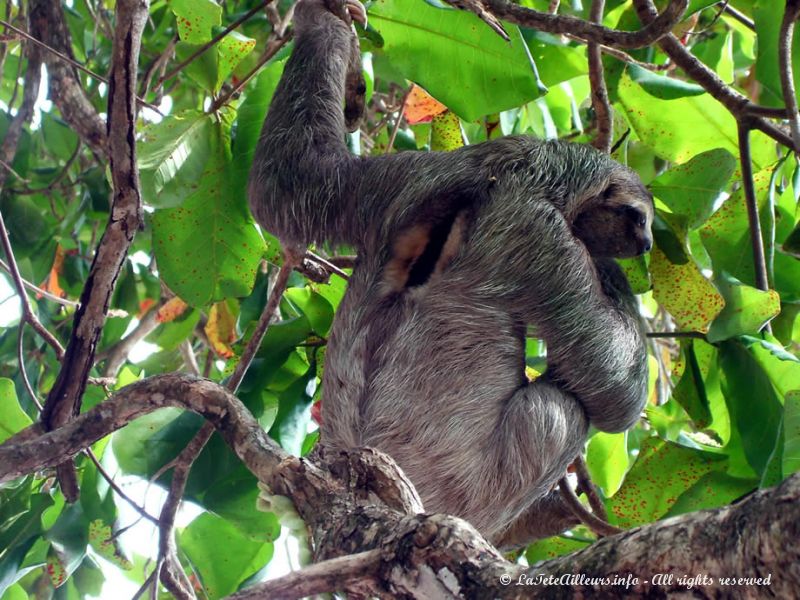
(616, 224)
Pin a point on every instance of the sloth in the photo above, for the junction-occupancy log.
(458, 254)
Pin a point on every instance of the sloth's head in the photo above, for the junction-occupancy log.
(615, 222)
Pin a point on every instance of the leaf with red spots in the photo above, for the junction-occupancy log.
(208, 247)
(196, 18)
(691, 189)
(230, 51)
(172, 309)
(446, 132)
(688, 296)
(55, 568)
(681, 128)
(421, 107)
(726, 236)
(662, 472)
(105, 543)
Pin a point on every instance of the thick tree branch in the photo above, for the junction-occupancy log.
(63, 401)
(355, 502)
(326, 576)
(48, 25)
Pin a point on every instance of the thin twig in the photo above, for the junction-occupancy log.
(23, 370)
(273, 46)
(587, 487)
(741, 17)
(756, 239)
(785, 67)
(27, 310)
(42, 292)
(174, 578)
(399, 120)
(328, 265)
(118, 490)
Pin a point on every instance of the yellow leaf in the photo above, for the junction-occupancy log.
(689, 297)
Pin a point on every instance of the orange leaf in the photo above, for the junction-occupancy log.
(221, 329)
(421, 107)
(172, 309)
(51, 283)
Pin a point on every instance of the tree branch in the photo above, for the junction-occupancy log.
(785, 63)
(737, 104)
(440, 556)
(48, 25)
(591, 32)
(64, 399)
(320, 578)
(597, 82)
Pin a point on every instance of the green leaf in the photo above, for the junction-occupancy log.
(554, 61)
(726, 236)
(713, 490)
(607, 459)
(767, 17)
(208, 248)
(662, 472)
(221, 555)
(61, 140)
(172, 157)
(662, 86)
(791, 433)
(679, 129)
(316, 308)
(235, 500)
(196, 18)
(231, 50)
(692, 188)
(690, 391)
(747, 309)
(553, 547)
(12, 418)
(149, 442)
(456, 58)
(755, 408)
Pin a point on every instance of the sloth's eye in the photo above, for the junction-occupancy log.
(633, 214)
(636, 215)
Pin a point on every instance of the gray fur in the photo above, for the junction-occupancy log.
(434, 374)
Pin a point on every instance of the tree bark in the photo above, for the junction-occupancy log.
(358, 502)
